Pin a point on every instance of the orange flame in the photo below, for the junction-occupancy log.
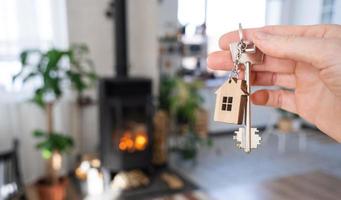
(132, 141)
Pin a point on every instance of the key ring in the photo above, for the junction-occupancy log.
(240, 32)
(241, 48)
(241, 43)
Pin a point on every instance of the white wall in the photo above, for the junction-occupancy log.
(167, 17)
(88, 24)
(143, 44)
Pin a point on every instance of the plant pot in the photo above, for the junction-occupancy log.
(52, 191)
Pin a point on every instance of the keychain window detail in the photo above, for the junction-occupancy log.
(227, 103)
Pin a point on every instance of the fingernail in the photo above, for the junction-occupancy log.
(261, 35)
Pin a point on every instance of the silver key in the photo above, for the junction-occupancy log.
(247, 54)
(242, 142)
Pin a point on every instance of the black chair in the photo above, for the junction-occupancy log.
(11, 185)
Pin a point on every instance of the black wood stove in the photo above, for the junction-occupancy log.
(125, 109)
(126, 113)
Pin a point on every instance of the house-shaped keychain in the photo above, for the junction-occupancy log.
(231, 99)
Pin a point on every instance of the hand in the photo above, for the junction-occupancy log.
(304, 59)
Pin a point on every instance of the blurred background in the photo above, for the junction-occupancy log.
(113, 100)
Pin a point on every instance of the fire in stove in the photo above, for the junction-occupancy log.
(126, 119)
(134, 139)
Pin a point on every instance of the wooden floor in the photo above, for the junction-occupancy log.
(311, 186)
(302, 165)
(308, 170)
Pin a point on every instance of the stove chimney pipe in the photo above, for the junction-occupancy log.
(121, 49)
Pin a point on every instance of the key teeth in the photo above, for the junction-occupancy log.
(256, 138)
(238, 138)
(255, 141)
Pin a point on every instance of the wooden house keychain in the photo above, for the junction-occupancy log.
(233, 97)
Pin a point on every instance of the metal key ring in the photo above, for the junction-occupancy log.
(240, 31)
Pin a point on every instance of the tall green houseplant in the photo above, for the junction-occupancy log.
(52, 72)
(182, 99)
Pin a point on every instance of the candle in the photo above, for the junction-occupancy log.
(95, 182)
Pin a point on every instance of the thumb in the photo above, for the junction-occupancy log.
(305, 49)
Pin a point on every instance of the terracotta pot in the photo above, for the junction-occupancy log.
(52, 191)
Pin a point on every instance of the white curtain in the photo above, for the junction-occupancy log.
(28, 24)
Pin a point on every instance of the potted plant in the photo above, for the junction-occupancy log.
(51, 72)
(185, 102)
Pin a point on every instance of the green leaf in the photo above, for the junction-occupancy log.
(60, 142)
(38, 97)
(39, 133)
(54, 142)
(52, 84)
(23, 57)
(46, 154)
(76, 81)
(53, 75)
(43, 145)
(92, 76)
(53, 57)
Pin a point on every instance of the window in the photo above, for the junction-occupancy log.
(224, 16)
(227, 103)
(191, 12)
(27, 24)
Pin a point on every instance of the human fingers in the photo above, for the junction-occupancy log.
(273, 79)
(275, 98)
(309, 31)
(221, 60)
(314, 51)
